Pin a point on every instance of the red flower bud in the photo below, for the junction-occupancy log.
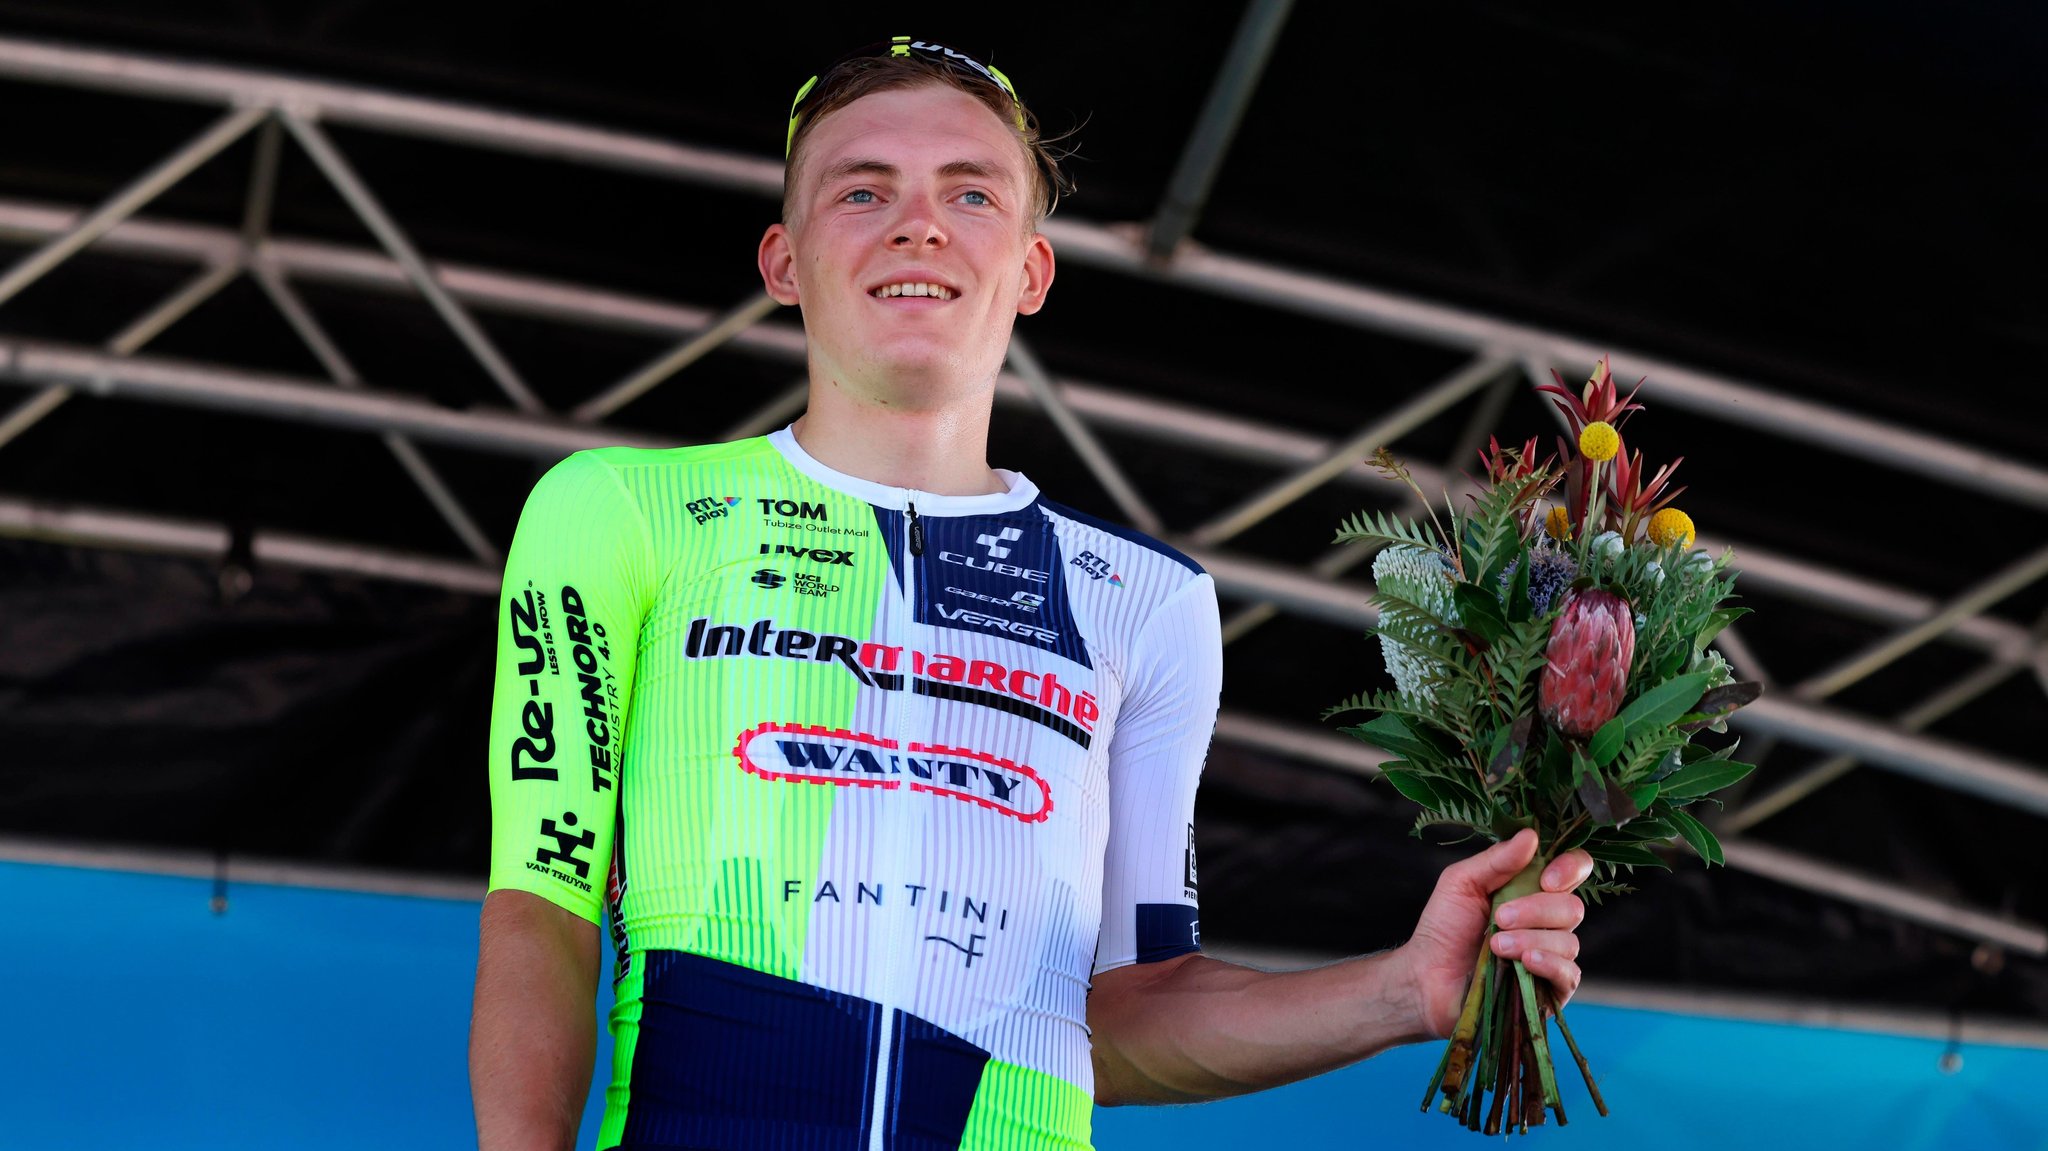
(1585, 671)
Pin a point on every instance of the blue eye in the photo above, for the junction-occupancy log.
(860, 196)
(978, 199)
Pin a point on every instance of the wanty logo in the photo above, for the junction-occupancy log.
(808, 754)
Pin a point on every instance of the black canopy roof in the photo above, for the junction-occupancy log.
(1814, 226)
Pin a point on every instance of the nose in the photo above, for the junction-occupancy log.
(919, 226)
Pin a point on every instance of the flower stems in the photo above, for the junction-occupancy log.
(1463, 1038)
(1501, 1042)
(1585, 1069)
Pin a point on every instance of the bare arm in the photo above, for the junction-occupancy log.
(1194, 1028)
(533, 1030)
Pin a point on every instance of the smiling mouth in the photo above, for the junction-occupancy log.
(930, 291)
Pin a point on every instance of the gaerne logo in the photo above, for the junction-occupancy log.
(1037, 696)
(803, 754)
(1029, 601)
(1016, 627)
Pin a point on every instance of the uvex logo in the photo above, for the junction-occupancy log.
(807, 754)
(819, 555)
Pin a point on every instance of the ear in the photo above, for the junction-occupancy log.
(1038, 268)
(777, 261)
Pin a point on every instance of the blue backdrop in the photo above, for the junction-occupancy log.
(318, 1019)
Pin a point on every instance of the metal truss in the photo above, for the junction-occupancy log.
(1502, 354)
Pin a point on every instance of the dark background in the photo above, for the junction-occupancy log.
(1837, 201)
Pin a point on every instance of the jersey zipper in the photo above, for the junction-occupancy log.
(906, 728)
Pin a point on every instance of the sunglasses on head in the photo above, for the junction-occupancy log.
(903, 46)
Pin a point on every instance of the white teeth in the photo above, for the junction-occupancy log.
(936, 291)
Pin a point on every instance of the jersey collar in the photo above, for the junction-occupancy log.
(1021, 494)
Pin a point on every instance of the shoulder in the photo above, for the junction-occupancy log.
(735, 453)
(1117, 541)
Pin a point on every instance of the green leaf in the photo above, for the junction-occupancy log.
(1716, 621)
(1479, 611)
(1696, 834)
(1390, 733)
(1649, 830)
(1606, 743)
(1575, 839)
(1630, 854)
(1703, 778)
(1644, 795)
(1665, 702)
(1381, 528)
(1419, 788)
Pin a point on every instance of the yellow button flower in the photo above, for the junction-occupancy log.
(1600, 441)
(1559, 524)
(1671, 526)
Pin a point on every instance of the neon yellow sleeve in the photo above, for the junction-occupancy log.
(577, 582)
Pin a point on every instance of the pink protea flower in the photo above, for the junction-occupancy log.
(1585, 668)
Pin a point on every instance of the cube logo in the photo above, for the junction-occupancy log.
(995, 543)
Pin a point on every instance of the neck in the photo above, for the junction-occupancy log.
(942, 450)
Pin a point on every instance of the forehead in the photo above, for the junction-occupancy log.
(927, 126)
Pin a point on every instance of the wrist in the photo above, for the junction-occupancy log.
(1407, 995)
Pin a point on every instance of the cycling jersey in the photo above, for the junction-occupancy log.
(871, 781)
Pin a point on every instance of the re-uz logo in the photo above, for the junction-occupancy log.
(806, 754)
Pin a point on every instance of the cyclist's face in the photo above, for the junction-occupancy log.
(909, 246)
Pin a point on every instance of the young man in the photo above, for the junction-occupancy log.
(883, 764)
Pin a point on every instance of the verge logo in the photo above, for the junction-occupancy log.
(1016, 627)
(795, 753)
(768, 578)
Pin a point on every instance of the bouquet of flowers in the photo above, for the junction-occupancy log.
(1551, 667)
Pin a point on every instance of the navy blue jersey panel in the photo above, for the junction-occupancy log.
(933, 1075)
(1000, 574)
(729, 1057)
(1166, 930)
(890, 525)
(1122, 532)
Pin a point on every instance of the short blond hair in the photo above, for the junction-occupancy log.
(859, 76)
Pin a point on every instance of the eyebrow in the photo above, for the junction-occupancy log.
(862, 166)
